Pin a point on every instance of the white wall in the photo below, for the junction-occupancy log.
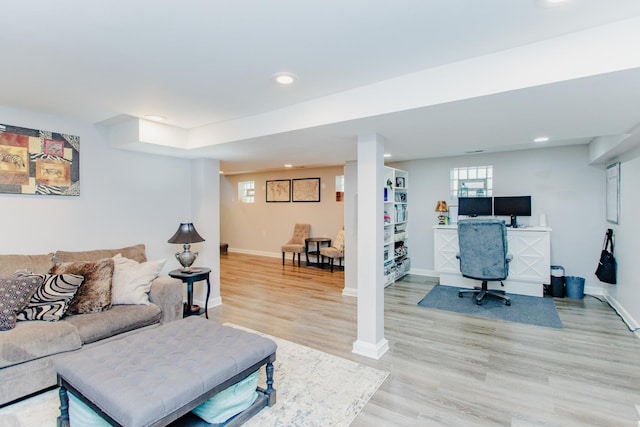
(625, 296)
(562, 185)
(261, 227)
(126, 198)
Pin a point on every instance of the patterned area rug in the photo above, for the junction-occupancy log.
(313, 389)
(523, 309)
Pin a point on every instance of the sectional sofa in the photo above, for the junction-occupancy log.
(28, 350)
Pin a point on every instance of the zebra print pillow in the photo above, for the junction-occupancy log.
(51, 300)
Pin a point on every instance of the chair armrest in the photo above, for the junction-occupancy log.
(167, 293)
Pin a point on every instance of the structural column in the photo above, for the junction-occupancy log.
(205, 213)
(370, 210)
(350, 229)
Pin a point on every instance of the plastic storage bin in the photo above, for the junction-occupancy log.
(575, 287)
(557, 281)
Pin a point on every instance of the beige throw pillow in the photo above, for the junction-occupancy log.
(132, 280)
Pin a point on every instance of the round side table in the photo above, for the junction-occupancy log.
(196, 275)
(308, 250)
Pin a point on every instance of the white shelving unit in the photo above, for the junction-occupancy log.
(396, 216)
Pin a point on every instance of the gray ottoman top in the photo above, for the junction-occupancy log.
(143, 377)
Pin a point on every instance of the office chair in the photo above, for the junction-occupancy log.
(296, 244)
(483, 256)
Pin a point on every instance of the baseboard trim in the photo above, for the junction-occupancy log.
(371, 350)
(423, 272)
(257, 253)
(350, 292)
(628, 319)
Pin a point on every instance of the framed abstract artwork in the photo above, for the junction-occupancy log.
(39, 162)
(305, 190)
(279, 190)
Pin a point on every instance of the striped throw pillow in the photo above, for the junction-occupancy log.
(51, 300)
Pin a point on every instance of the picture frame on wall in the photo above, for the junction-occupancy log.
(305, 190)
(613, 193)
(278, 191)
(39, 162)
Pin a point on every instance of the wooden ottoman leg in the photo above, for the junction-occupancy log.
(270, 392)
(63, 419)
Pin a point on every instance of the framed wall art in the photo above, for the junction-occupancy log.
(279, 190)
(39, 162)
(305, 190)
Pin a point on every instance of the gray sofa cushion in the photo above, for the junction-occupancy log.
(35, 339)
(120, 318)
(38, 264)
(136, 252)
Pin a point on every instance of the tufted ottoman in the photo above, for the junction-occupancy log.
(154, 377)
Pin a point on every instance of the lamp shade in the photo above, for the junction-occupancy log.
(441, 206)
(186, 234)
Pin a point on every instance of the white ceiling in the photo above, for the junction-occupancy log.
(434, 77)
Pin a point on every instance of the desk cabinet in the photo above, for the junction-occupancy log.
(529, 269)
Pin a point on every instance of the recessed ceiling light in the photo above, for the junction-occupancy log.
(220, 172)
(284, 78)
(551, 3)
(387, 155)
(288, 166)
(154, 118)
(541, 139)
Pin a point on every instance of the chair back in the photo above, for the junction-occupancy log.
(300, 233)
(483, 249)
(338, 242)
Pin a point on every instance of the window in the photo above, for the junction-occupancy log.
(246, 191)
(339, 188)
(475, 181)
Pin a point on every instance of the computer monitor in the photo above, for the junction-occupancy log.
(474, 206)
(513, 206)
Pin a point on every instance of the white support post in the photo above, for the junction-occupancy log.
(205, 211)
(350, 230)
(370, 341)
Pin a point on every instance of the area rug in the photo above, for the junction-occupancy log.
(313, 388)
(523, 309)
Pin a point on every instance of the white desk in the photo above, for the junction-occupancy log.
(529, 269)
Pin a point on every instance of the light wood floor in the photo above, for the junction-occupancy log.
(449, 369)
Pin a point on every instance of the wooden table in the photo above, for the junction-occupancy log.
(318, 241)
(196, 275)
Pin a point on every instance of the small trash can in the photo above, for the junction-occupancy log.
(557, 281)
(575, 287)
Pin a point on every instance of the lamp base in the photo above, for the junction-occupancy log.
(186, 258)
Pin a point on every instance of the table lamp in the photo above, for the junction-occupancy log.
(186, 235)
(441, 207)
